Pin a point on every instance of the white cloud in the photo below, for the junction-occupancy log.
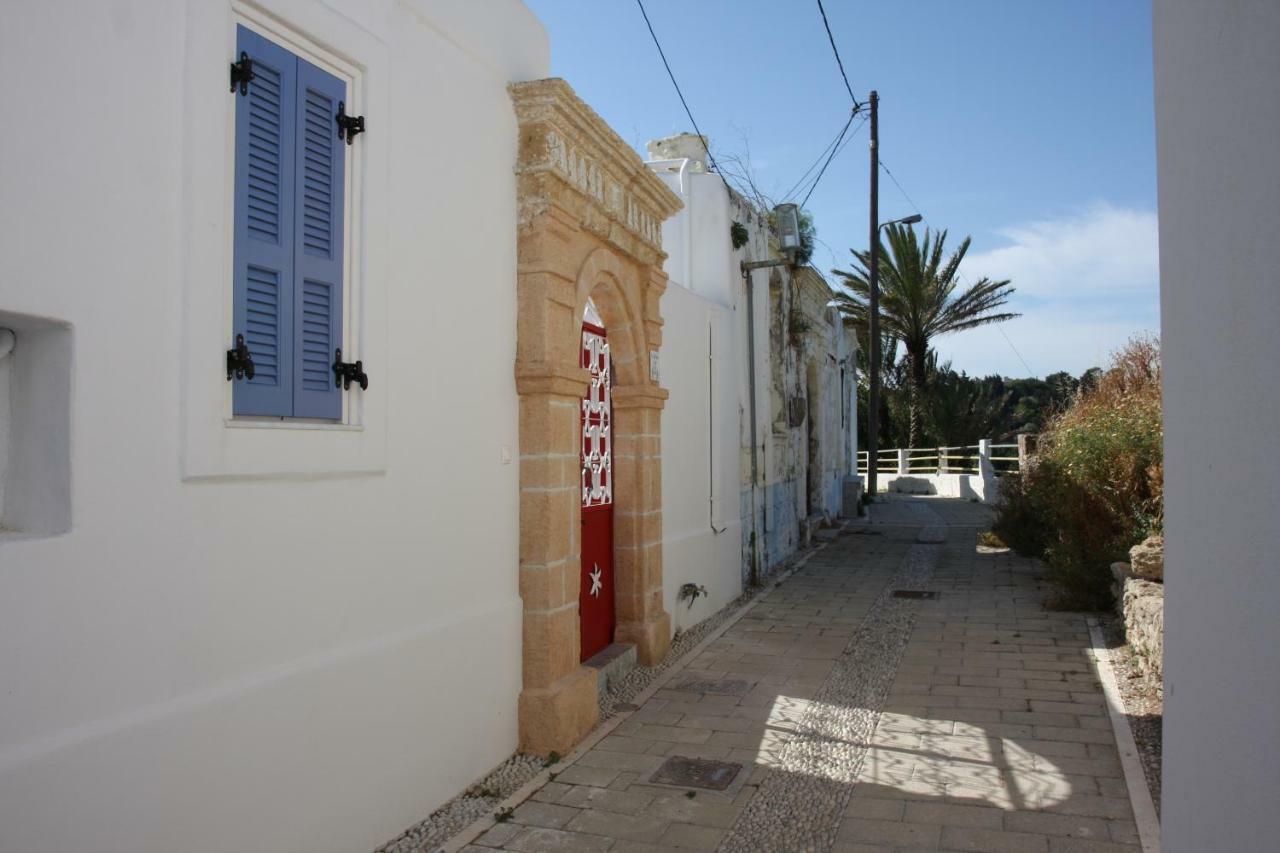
(1084, 285)
(1105, 250)
(1049, 338)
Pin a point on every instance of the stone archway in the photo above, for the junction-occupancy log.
(590, 218)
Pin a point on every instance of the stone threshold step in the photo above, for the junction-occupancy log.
(611, 664)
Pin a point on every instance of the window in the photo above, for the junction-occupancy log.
(288, 266)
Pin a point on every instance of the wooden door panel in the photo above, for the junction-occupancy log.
(596, 595)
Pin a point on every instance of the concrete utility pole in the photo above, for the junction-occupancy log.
(873, 320)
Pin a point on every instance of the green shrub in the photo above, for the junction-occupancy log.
(1095, 487)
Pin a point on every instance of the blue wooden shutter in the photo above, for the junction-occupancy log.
(264, 226)
(318, 239)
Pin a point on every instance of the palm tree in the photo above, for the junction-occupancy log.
(918, 300)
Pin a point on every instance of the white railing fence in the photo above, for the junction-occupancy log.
(984, 458)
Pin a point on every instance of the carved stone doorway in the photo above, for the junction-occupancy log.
(590, 218)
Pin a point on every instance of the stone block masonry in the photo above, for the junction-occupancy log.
(588, 228)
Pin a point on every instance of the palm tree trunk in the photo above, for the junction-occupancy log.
(916, 391)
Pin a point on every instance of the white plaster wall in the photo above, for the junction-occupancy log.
(1217, 79)
(249, 662)
(714, 273)
(702, 541)
(701, 354)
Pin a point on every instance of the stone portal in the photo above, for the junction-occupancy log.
(589, 228)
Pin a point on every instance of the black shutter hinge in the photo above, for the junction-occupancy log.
(348, 126)
(242, 73)
(346, 372)
(239, 362)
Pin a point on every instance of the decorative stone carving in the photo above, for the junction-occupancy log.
(561, 136)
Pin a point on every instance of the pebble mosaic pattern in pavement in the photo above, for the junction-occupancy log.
(865, 722)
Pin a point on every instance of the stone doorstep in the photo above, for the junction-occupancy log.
(611, 664)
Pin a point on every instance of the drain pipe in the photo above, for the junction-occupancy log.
(755, 444)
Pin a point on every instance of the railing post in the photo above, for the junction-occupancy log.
(1026, 447)
(904, 461)
(985, 467)
(942, 460)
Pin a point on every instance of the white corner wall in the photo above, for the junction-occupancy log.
(701, 354)
(253, 661)
(701, 524)
(1217, 78)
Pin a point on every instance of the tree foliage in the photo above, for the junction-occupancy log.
(920, 300)
(961, 409)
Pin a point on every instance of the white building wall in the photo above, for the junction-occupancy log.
(701, 524)
(1217, 79)
(251, 639)
(701, 521)
(765, 521)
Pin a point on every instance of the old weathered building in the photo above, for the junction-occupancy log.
(763, 387)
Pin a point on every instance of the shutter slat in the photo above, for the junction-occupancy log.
(264, 225)
(317, 314)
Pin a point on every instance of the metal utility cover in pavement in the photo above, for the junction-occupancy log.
(716, 687)
(915, 593)
(696, 773)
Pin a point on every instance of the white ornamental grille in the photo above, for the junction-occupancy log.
(597, 417)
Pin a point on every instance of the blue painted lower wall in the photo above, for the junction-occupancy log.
(777, 522)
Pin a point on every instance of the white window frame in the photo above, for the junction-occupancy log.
(215, 444)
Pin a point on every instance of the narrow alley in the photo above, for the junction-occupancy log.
(903, 690)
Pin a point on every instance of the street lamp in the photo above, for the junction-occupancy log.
(906, 220)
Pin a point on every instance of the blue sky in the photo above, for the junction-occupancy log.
(1028, 125)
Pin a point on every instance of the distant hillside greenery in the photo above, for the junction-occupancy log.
(959, 409)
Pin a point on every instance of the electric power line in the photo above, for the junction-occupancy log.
(1030, 372)
(857, 105)
(670, 74)
(959, 272)
(801, 180)
(914, 206)
(823, 170)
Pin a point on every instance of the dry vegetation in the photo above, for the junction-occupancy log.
(1096, 486)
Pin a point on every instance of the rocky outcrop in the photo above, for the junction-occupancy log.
(1144, 623)
(1146, 560)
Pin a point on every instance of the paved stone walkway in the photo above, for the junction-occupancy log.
(864, 721)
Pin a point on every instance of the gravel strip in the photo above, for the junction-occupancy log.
(469, 806)
(1143, 698)
(626, 688)
(801, 802)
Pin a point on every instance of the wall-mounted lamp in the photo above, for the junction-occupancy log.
(786, 223)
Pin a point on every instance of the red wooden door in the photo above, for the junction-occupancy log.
(595, 598)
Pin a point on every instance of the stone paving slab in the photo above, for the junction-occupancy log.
(865, 723)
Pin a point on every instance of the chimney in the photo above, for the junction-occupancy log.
(683, 146)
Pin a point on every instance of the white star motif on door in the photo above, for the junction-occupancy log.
(596, 585)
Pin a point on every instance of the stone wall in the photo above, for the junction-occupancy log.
(1139, 594)
(1143, 607)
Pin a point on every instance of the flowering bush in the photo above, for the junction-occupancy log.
(1096, 484)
